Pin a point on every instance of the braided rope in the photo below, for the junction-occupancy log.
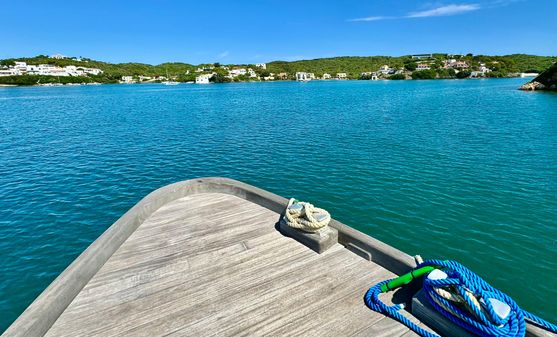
(302, 216)
(466, 311)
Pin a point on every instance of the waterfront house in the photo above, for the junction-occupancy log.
(21, 66)
(73, 71)
(342, 76)
(368, 75)
(92, 71)
(282, 76)
(460, 65)
(9, 72)
(454, 64)
(251, 73)
(484, 68)
(32, 69)
(302, 76)
(237, 72)
(447, 64)
(127, 79)
(385, 70)
(203, 79)
(50, 70)
(423, 66)
(326, 76)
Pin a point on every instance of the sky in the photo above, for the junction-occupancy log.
(240, 31)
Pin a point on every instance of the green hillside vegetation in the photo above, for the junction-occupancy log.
(354, 66)
(112, 72)
(502, 66)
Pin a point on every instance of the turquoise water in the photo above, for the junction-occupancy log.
(462, 170)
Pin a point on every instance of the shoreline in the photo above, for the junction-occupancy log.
(275, 81)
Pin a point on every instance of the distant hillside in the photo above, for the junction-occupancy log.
(352, 65)
(111, 71)
(516, 63)
(500, 66)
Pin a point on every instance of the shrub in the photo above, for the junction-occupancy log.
(397, 77)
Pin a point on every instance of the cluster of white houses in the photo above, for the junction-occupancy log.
(206, 72)
(425, 63)
(457, 66)
(22, 68)
(304, 76)
(233, 72)
(383, 71)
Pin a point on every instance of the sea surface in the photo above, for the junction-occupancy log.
(451, 169)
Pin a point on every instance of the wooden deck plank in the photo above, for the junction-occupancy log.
(312, 292)
(214, 264)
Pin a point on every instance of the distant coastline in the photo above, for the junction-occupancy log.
(63, 70)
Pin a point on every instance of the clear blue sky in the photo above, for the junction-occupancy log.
(242, 31)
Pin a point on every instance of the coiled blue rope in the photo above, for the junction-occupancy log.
(485, 323)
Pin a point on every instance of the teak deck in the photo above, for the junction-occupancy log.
(214, 264)
(204, 258)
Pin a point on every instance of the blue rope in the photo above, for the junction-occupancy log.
(482, 323)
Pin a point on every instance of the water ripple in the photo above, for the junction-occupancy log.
(462, 170)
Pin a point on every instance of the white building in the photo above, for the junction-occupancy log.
(73, 71)
(385, 70)
(460, 65)
(372, 75)
(237, 72)
(9, 72)
(422, 56)
(326, 76)
(127, 79)
(483, 68)
(261, 65)
(302, 76)
(423, 66)
(252, 73)
(342, 76)
(92, 71)
(32, 69)
(58, 56)
(21, 66)
(203, 79)
(50, 70)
